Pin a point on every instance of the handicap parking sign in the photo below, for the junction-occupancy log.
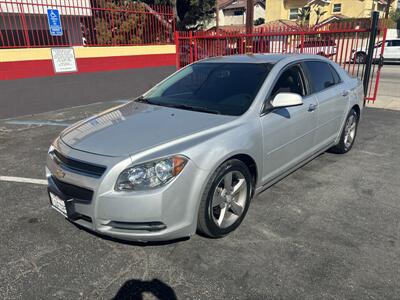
(53, 18)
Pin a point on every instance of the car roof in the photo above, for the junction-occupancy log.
(259, 58)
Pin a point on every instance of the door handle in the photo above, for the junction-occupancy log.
(345, 93)
(312, 107)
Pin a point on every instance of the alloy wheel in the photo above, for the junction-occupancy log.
(229, 199)
(350, 131)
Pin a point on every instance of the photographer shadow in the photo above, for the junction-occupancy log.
(135, 289)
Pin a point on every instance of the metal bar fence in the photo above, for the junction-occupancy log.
(346, 43)
(23, 23)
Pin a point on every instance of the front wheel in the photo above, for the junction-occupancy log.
(348, 135)
(226, 199)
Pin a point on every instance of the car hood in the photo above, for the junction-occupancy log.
(134, 127)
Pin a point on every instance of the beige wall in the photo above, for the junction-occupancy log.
(279, 9)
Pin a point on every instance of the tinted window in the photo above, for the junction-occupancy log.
(291, 81)
(396, 43)
(224, 88)
(317, 43)
(320, 75)
(336, 76)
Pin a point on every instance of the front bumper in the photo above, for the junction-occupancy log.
(165, 213)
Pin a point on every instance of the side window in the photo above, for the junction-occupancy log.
(320, 74)
(396, 43)
(290, 81)
(336, 77)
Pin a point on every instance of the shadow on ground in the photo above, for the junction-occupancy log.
(135, 289)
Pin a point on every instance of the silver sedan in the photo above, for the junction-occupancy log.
(191, 153)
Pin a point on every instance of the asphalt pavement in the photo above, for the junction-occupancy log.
(36, 95)
(330, 230)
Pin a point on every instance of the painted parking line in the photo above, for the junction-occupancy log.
(23, 180)
(49, 123)
(122, 101)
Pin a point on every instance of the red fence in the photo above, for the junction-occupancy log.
(85, 22)
(344, 43)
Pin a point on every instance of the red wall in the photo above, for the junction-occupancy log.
(39, 68)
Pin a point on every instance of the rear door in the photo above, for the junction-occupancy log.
(333, 98)
(288, 133)
(392, 50)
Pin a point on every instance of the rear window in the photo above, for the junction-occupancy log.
(320, 75)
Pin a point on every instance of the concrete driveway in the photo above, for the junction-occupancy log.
(330, 230)
(389, 88)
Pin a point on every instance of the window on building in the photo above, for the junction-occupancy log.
(293, 13)
(238, 12)
(337, 8)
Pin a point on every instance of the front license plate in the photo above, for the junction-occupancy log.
(58, 203)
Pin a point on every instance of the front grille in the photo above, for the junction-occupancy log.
(73, 191)
(79, 166)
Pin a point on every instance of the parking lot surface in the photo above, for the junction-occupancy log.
(329, 230)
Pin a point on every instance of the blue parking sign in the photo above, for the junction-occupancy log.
(53, 18)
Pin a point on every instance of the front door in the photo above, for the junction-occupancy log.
(288, 133)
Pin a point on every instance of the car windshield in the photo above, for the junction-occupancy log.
(220, 88)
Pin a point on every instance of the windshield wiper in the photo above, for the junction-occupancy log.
(142, 99)
(194, 108)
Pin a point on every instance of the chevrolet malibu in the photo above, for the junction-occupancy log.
(191, 153)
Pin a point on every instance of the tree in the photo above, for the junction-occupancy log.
(192, 14)
(320, 13)
(259, 21)
(395, 16)
(304, 15)
(387, 8)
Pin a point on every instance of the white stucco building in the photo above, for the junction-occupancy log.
(233, 12)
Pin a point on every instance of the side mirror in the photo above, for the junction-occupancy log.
(286, 100)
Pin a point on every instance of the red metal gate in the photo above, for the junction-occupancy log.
(345, 43)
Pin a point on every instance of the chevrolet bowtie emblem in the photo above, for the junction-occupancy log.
(60, 173)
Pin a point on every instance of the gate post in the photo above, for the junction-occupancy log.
(177, 53)
(371, 49)
(191, 46)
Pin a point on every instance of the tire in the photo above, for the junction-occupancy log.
(222, 208)
(360, 58)
(349, 132)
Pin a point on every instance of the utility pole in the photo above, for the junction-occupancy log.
(216, 15)
(249, 25)
(249, 16)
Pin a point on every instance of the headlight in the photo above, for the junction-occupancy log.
(150, 175)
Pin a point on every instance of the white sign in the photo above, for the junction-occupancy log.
(63, 60)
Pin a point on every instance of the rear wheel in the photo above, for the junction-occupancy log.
(226, 199)
(348, 135)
